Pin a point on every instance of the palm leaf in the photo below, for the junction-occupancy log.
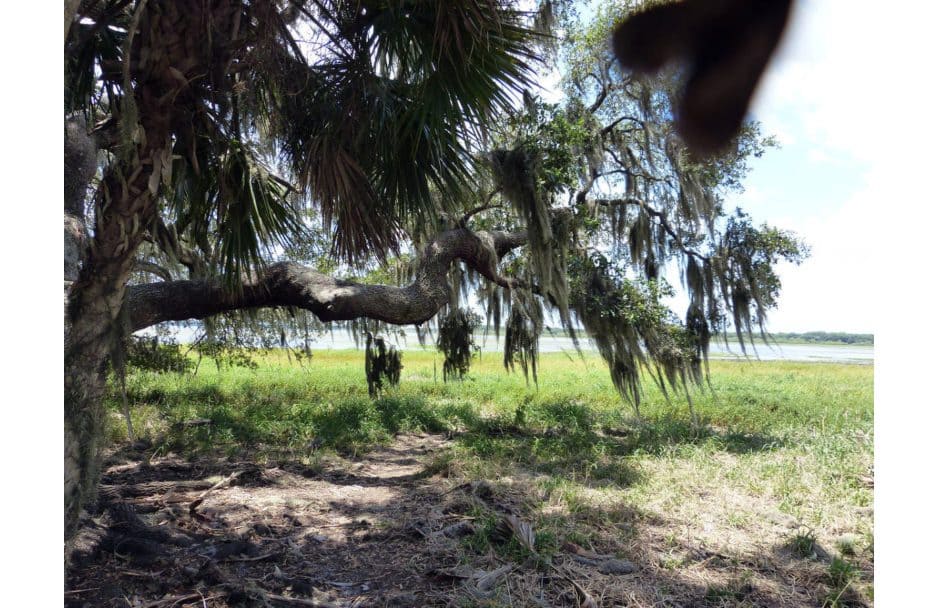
(375, 131)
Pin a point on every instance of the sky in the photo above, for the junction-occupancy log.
(824, 181)
(822, 98)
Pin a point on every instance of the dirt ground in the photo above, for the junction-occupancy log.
(387, 528)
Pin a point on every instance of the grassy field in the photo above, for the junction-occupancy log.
(766, 501)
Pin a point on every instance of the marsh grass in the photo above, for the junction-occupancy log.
(773, 440)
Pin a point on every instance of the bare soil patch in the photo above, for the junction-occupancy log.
(350, 534)
(393, 528)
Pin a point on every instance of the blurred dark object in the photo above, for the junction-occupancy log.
(725, 46)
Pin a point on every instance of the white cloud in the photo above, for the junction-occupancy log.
(847, 88)
(836, 288)
(818, 155)
(827, 79)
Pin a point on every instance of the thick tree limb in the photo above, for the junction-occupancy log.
(80, 164)
(331, 299)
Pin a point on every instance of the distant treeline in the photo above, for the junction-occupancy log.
(822, 337)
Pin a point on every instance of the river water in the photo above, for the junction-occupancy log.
(790, 352)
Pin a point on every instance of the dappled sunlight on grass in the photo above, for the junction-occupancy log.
(775, 450)
(573, 414)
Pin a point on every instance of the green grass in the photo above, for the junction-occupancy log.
(819, 415)
(756, 405)
(788, 437)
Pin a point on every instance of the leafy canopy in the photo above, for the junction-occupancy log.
(370, 112)
(348, 133)
(616, 210)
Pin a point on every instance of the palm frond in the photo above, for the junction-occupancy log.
(91, 45)
(393, 110)
(235, 208)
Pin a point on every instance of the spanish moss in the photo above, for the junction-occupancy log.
(383, 364)
(455, 341)
(523, 329)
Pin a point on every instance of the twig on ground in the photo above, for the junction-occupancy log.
(585, 599)
(169, 602)
(254, 559)
(195, 504)
(296, 601)
(142, 574)
(77, 591)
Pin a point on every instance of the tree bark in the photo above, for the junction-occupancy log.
(80, 166)
(71, 8)
(331, 299)
(125, 205)
(95, 301)
(148, 112)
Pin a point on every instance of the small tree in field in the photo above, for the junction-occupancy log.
(203, 138)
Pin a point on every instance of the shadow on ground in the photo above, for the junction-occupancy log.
(394, 527)
(262, 512)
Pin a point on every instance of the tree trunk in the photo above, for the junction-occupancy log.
(71, 8)
(94, 305)
(152, 93)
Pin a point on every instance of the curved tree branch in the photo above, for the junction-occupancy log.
(601, 96)
(331, 299)
(487, 205)
(663, 221)
(154, 269)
